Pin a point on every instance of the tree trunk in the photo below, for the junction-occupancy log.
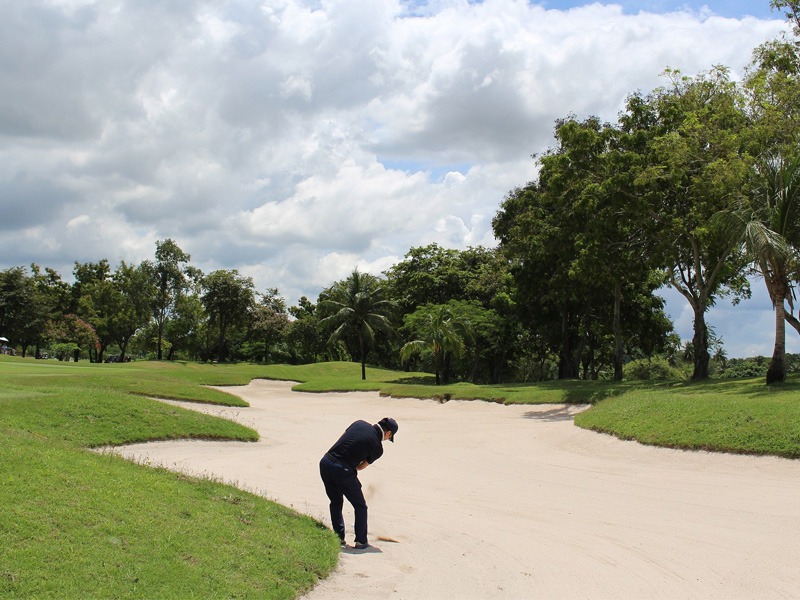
(777, 366)
(221, 342)
(266, 350)
(568, 364)
(363, 359)
(617, 358)
(700, 343)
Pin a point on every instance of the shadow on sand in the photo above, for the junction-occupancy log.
(553, 415)
(368, 550)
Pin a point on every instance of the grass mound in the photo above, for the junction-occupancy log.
(742, 416)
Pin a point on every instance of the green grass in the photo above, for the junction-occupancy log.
(741, 416)
(344, 377)
(76, 524)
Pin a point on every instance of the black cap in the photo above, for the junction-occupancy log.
(389, 424)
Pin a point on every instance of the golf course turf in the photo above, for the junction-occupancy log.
(76, 524)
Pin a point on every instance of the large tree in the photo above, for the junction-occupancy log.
(170, 282)
(269, 327)
(537, 232)
(358, 305)
(578, 241)
(228, 300)
(135, 289)
(593, 170)
(695, 166)
(96, 301)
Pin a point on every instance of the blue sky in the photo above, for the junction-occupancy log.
(723, 8)
(294, 140)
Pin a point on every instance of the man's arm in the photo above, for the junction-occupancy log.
(362, 465)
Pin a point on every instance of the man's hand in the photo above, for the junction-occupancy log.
(362, 465)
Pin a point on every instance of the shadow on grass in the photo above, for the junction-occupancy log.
(574, 391)
(751, 387)
(418, 380)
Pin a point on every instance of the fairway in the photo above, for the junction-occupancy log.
(492, 501)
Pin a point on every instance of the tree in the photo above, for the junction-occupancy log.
(304, 339)
(271, 298)
(228, 300)
(593, 170)
(537, 233)
(771, 233)
(359, 306)
(269, 326)
(435, 275)
(51, 301)
(791, 9)
(440, 332)
(185, 331)
(170, 281)
(135, 289)
(16, 292)
(96, 301)
(70, 334)
(695, 165)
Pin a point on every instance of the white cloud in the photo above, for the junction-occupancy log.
(271, 137)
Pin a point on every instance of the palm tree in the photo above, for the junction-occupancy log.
(771, 233)
(442, 333)
(359, 306)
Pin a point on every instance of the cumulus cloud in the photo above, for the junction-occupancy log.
(296, 139)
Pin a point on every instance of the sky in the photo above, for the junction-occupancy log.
(296, 140)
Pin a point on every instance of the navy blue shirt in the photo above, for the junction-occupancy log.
(360, 442)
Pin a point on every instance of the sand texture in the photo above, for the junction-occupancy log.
(486, 501)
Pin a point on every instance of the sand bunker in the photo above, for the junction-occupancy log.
(488, 501)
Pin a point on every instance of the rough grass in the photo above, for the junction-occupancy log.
(76, 524)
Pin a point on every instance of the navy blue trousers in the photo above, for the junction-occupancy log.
(342, 482)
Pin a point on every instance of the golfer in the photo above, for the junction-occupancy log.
(360, 445)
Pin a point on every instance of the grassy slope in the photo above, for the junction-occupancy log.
(74, 524)
(743, 416)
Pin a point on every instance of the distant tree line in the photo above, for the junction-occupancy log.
(696, 186)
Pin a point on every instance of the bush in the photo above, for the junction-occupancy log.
(749, 367)
(651, 369)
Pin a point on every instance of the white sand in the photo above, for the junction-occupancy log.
(489, 501)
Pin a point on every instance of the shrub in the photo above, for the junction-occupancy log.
(651, 369)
